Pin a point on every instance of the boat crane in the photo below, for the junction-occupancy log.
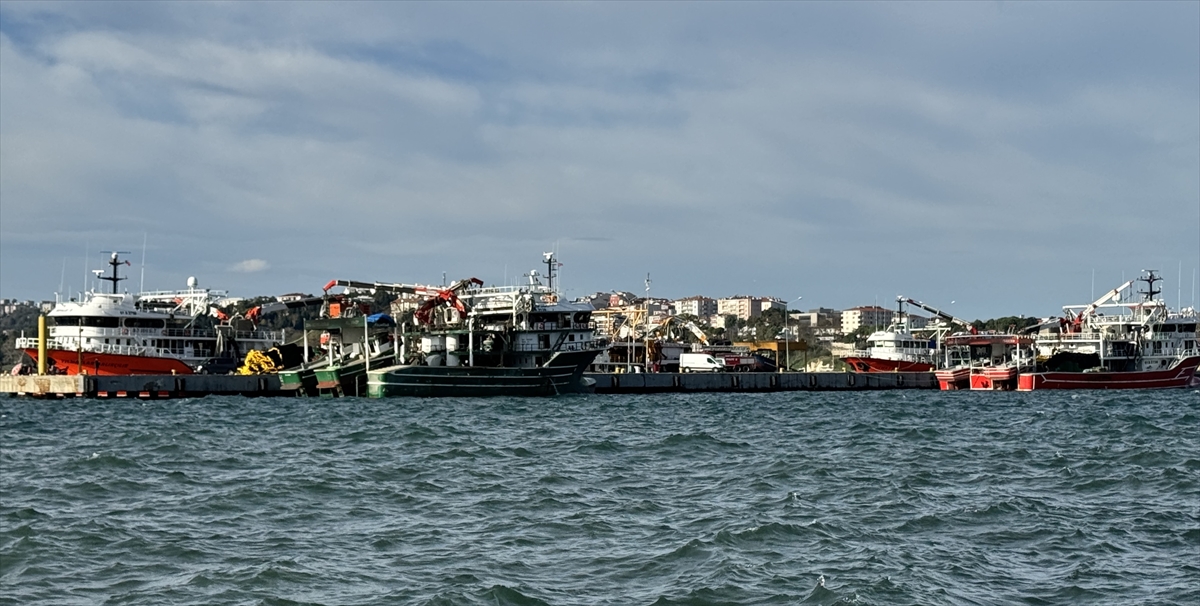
(939, 313)
(254, 313)
(424, 313)
(665, 326)
(1077, 320)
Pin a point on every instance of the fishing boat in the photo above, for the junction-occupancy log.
(149, 333)
(1113, 343)
(902, 348)
(471, 340)
(987, 361)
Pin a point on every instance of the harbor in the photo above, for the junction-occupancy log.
(469, 339)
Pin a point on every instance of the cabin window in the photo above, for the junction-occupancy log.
(571, 337)
(1187, 328)
(543, 341)
(63, 321)
(1167, 328)
(144, 323)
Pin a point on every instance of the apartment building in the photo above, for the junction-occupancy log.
(698, 306)
(743, 308)
(873, 315)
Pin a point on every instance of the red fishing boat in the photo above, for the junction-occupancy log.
(1117, 344)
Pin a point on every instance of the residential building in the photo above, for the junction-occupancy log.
(742, 307)
(873, 315)
(698, 306)
(768, 303)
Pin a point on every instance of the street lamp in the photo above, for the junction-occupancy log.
(787, 339)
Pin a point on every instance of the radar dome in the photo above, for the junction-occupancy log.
(192, 282)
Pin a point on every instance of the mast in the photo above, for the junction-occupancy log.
(551, 265)
(115, 262)
(1150, 278)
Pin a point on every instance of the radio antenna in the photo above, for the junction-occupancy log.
(142, 286)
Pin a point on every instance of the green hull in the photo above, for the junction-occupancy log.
(562, 374)
(347, 379)
(302, 381)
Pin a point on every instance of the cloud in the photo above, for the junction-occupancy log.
(250, 266)
(837, 148)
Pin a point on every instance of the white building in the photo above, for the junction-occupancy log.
(742, 307)
(875, 316)
(698, 306)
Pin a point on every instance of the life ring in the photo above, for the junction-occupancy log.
(124, 331)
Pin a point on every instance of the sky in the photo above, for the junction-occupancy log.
(989, 158)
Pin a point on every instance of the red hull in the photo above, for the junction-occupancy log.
(1177, 376)
(880, 365)
(994, 379)
(954, 379)
(112, 364)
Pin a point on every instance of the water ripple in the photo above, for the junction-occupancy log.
(812, 498)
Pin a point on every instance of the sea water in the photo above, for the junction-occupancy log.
(898, 497)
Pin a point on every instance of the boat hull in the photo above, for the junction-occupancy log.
(303, 382)
(111, 364)
(865, 364)
(1179, 375)
(994, 379)
(953, 379)
(563, 373)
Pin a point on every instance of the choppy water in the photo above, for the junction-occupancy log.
(813, 498)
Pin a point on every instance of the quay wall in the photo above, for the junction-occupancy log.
(187, 386)
(750, 381)
(139, 386)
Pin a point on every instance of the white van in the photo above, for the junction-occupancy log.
(700, 362)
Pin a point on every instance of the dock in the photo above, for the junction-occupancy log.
(759, 381)
(139, 386)
(193, 386)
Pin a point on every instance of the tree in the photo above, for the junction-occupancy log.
(1005, 324)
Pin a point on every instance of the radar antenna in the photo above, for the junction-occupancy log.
(115, 261)
(1150, 278)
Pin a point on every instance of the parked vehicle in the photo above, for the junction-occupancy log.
(700, 362)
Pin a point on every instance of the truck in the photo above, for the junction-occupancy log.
(745, 362)
(700, 362)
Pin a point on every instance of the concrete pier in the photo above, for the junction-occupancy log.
(139, 386)
(190, 386)
(752, 381)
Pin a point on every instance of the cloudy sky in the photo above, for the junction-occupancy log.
(995, 154)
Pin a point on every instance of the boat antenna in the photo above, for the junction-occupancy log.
(142, 286)
(62, 279)
(115, 261)
(552, 264)
(1150, 278)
